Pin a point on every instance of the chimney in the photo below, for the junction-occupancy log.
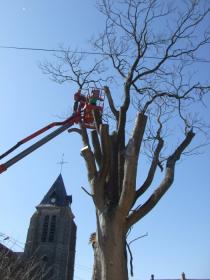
(183, 276)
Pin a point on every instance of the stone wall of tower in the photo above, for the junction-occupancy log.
(52, 234)
(72, 252)
(64, 258)
(58, 254)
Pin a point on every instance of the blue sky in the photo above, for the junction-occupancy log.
(178, 229)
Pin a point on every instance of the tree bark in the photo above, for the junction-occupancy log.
(110, 248)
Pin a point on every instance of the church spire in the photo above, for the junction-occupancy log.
(57, 194)
(51, 235)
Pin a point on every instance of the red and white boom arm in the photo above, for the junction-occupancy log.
(82, 115)
(65, 125)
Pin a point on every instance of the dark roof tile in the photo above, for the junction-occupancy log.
(57, 194)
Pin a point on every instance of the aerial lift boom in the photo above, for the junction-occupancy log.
(83, 116)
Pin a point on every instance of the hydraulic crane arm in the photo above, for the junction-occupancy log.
(33, 135)
(69, 122)
(83, 113)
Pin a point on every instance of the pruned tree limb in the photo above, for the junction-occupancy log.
(106, 151)
(84, 134)
(96, 147)
(153, 166)
(88, 156)
(165, 184)
(131, 163)
(111, 102)
(97, 119)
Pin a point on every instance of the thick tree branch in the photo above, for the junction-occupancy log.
(106, 152)
(84, 134)
(165, 184)
(94, 177)
(88, 156)
(153, 166)
(96, 147)
(131, 163)
(121, 147)
(97, 119)
(111, 102)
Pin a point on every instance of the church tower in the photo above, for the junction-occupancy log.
(52, 234)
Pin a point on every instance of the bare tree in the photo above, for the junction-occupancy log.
(14, 267)
(152, 67)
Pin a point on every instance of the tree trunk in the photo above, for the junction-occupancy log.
(110, 260)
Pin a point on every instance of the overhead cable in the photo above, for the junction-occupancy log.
(201, 60)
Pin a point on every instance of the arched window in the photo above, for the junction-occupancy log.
(52, 228)
(45, 228)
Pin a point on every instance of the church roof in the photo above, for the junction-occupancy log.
(57, 194)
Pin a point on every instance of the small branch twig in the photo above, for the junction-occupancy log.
(86, 191)
(131, 259)
(130, 252)
(137, 238)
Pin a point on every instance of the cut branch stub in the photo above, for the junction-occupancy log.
(96, 147)
(106, 150)
(87, 154)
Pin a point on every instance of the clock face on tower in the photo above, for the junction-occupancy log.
(53, 199)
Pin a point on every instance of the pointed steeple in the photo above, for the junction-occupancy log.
(51, 235)
(57, 194)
